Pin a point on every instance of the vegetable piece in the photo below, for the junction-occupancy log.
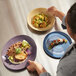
(11, 58)
(65, 40)
(40, 21)
(56, 42)
(52, 44)
(24, 43)
(18, 50)
(36, 25)
(49, 47)
(33, 22)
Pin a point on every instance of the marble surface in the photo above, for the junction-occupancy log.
(13, 21)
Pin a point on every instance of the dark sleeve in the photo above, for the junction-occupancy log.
(63, 23)
(45, 74)
(64, 27)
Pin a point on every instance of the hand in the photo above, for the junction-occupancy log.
(53, 10)
(34, 66)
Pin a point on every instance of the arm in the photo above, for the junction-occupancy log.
(53, 10)
(45, 74)
(34, 66)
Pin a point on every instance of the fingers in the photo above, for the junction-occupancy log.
(35, 66)
(31, 66)
(29, 61)
(51, 8)
(28, 67)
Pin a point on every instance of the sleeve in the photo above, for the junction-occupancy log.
(45, 74)
(63, 23)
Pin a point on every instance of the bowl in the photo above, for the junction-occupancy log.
(38, 11)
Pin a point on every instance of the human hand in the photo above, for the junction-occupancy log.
(53, 10)
(35, 66)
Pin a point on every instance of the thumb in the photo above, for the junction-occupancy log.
(29, 64)
(29, 61)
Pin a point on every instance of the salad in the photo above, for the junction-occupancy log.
(40, 20)
(18, 52)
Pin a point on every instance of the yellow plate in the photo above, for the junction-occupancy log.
(37, 11)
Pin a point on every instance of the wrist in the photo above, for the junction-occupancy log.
(40, 70)
(59, 14)
(56, 13)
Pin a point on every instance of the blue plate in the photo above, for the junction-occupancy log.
(59, 50)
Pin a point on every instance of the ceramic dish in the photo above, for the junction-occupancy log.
(23, 64)
(36, 12)
(58, 50)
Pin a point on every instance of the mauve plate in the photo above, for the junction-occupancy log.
(59, 50)
(30, 57)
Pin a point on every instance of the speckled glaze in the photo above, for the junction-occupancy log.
(30, 57)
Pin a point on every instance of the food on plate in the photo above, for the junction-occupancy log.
(40, 20)
(56, 42)
(18, 52)
(21, 56)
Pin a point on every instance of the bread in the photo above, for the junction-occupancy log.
(20, 57)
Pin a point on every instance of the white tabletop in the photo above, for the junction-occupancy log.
(13, 21)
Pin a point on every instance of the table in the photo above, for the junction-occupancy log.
(13, 21)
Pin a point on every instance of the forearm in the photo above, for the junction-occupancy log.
(40, 70)
(59, 14)
(45, 74)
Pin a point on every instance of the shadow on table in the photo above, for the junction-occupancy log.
(16, 71)
(0, 73)
(37, 32)
(57, 27)
(33, 73)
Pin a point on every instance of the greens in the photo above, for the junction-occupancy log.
(24, 45)
(18, 50)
